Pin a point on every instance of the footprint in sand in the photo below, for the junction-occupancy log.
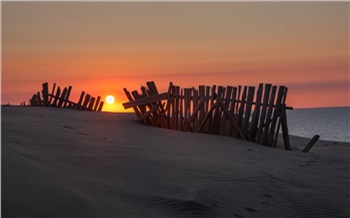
(68, 127)
(239, 216)
(250, 209)
(268, 195)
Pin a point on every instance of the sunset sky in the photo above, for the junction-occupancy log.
(103, 47)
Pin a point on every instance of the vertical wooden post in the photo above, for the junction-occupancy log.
(81, 100)
(40, 102)
(181, 123)
(280, 117)
(276, 114)
(97, 103)
(52, 92)
(217, 112)
(91, 103)
(58, 92)
(195, 104)
(34, 101)
(256, 113)
(100, 106)
(248, 109)
(45, 93)
(263, 113)
(177, 103)
(241, 109)
(86, 101)
(201, 90)
(268, 116)
(67, 96)
(62, 98)
(239, 101)
(210, 119)
(232, 111)
(285, 129)
(142, 108)
(168, 105)
(187, 101)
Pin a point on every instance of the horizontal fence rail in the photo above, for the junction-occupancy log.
(245, 112)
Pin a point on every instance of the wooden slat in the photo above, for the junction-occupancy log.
(248, 109)
(212, 101)
(256, 113)
(67, 96)
(157, 117)
(207, 95)
(177, 104)
(160, 110)
(241, 108)
(45, 93)
(207, 106)
(280, 117)
(141, 107)
(52, 92)
(207, 117)
(233, 103)
(268, 116)
(238, 98)
(193, 116)
(80, 100)
(311, 143)
(33, 100)
(97, 103)
(39, 98)
(58, 93)
(63, 97)
(168, 105)
(263, 112)
(201, 92)
(195, 112)
(91, 103)
(145, 101)
(86, 101)
(145, 115)
(285, 129)
(181, 121)
(187, 101)
(276, 114)
(100, 106)
(225, 110)
(217, 112)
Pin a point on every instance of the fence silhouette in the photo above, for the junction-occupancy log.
(61, 99)
(242, 112)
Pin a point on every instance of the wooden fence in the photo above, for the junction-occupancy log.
(61, 99)
(241, 112)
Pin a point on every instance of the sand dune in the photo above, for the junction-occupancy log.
(66, 163)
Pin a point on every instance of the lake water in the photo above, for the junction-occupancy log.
(330, 123)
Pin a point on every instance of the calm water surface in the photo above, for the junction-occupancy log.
(330, 123)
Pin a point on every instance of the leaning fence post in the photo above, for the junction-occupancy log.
(311, 143)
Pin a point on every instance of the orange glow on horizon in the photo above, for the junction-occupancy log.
(301, 45)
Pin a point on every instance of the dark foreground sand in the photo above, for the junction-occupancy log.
(65, 163)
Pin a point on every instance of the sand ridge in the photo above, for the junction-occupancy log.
(64, 163)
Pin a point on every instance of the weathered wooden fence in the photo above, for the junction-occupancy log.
(61, 99)
(241, 112)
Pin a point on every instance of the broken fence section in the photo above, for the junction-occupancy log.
(245, 112)
(60, 98)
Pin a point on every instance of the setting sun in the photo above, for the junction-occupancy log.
(110, 99)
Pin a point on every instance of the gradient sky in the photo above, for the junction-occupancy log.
(103, 47)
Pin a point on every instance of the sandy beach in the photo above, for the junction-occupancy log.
(68, 163)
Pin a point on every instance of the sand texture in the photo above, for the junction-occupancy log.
(66, 163)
